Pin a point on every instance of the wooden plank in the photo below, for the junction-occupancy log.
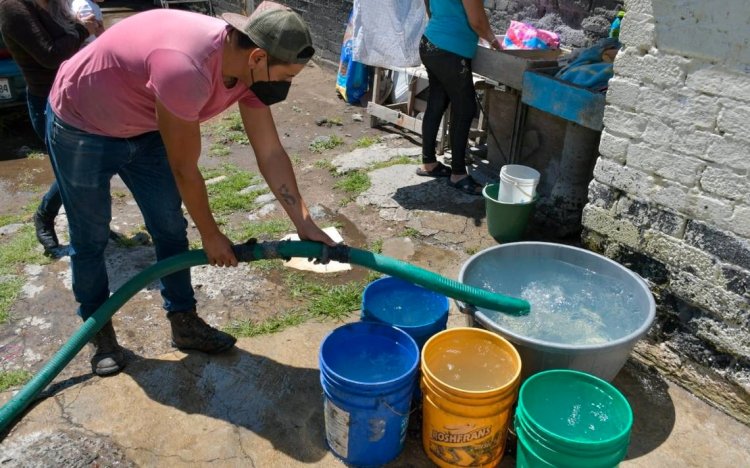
(508, 66)
(395, 117)
(563, 99)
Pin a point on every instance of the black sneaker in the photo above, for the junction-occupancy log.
(190, 332)
(45, 231)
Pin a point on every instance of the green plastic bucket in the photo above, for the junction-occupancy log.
(570, 419)
(506, 222)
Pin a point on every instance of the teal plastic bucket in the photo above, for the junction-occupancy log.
(570, 419)
(418, 311)
(506, 222)
(368, 372)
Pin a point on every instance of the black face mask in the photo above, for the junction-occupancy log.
(270, 92)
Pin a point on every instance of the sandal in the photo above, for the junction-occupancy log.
(467, 185)
(441, 170)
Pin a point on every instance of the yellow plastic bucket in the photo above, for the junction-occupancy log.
(470, 380)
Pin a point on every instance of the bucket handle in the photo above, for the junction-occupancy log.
(519, 188)
(396, 412)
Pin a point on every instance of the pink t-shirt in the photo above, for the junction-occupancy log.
(110, 87)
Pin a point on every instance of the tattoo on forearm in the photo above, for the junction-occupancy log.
(289, 199)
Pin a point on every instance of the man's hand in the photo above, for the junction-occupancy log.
(310, 231)
(218, 249)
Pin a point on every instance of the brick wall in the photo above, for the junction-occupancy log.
(671, 194)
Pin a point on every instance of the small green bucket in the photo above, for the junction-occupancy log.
(570, 419)
(506, 222)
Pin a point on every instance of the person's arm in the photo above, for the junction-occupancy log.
(22, 26)
(276, 168)
(479, 22)
(182, 140)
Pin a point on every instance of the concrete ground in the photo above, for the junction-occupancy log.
(261, 406)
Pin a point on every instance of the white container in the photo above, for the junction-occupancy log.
(517, 184)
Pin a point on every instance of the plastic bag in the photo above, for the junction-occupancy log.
(525, 36)
(353, 77)
(387, 32)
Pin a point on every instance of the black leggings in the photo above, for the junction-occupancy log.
(451, 83)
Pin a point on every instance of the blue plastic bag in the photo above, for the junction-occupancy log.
(353, 77)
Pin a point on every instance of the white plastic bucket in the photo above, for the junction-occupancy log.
(517, 184)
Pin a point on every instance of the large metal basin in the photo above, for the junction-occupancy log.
(603, 360)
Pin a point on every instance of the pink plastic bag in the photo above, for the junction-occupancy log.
(525, 36)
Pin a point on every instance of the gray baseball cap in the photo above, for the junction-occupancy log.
(279, 31)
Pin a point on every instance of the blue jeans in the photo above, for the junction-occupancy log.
(51, 202)
(84, 164)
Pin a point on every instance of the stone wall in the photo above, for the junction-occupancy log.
(671, 194)
(579, 22)
(326, 18)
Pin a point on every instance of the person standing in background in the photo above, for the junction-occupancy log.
(40, 35)
(446, 49)
(84, 8)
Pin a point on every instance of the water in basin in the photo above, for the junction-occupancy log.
(570, 304)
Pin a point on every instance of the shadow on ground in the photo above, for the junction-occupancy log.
(653, 408)
(247, 390)
(444, 199)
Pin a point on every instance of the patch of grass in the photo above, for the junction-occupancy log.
(325, 164)
(21, 249)
(195, 244)
(247, 328)
(134, 238)
(10, 288)
(21, 217)
(296, 160)
(219, 150)
(224, 196)
(119, 194)
(266, 265)
(13, 378)
(366, 141)
(376, 246)
(10, 219)
(263, 230)
(322, 144)
(409, 232)
(324, 300)
(353, 183)
(230, 130)
(393, 162)
(36, 155)
(471, 250)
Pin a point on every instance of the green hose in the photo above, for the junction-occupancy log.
(246, 252)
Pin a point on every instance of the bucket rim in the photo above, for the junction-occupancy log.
(623, 434)
(387, 279)
(536, 175)
(535, 343)
(509, 385)
(495, 200)
(328, 372)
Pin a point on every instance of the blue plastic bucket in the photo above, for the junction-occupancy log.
(418, 311)
(368, 372)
